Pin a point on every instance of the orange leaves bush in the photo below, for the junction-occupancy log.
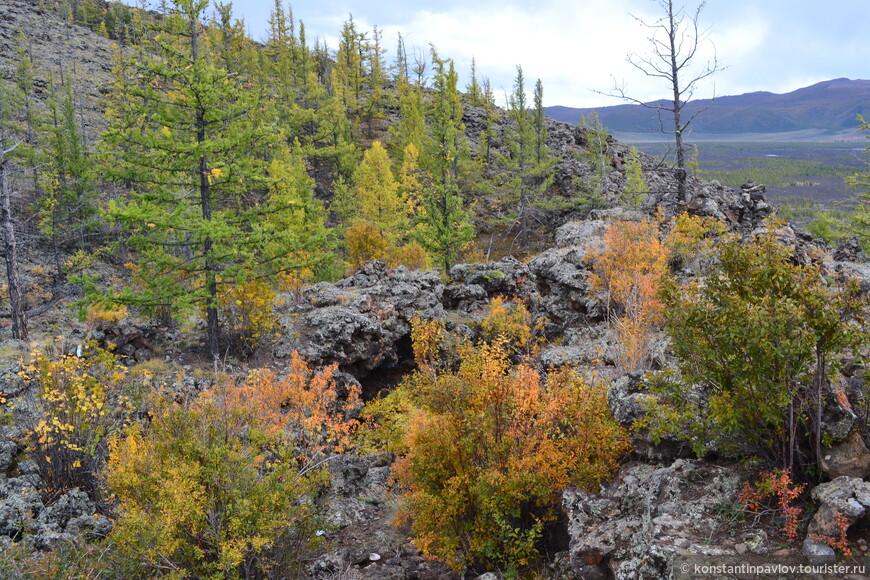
(490, 446)
(304, 403)
(629, 273)
(776, 484)
(223, 485)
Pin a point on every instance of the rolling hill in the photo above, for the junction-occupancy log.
(825, 111)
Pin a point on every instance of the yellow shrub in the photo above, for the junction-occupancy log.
(691, 239)
(512, 322)
(365, 242)
(111, 313)
(248, 313)
(490, 446)
(223, 486)
(411, 255)
(81, 402)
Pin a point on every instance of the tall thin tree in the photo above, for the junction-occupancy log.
(675, 41)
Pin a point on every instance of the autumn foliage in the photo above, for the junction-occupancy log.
(222, 485)
(81, 401)
(248, 313)
(774, 486)
(365, 242)
(489, 447)
(628, 273)
(511, 322)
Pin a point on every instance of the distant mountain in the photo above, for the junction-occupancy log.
(824, 111)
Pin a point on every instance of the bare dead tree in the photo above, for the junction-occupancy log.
(675, 40)
(16, 303)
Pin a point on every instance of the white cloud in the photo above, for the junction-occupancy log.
(577, 47)
(573, 47)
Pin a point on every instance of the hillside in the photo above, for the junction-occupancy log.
(295, 315)
(825, 111)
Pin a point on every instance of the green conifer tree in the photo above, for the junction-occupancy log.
(528, 165)
(68, 211)
(183, 136)
(445, 226)
(635, 185)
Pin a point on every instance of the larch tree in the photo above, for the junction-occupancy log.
(11, 138)
(400, 66)
(377, 95)
(528, 164)
(68, 209)
(378, 193)
(411, 128)
(183, 137)
(445, 227)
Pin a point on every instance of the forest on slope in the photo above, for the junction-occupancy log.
(336, 157)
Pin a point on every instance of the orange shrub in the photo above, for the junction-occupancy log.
(629, 272)
(775, 484)
(490, 446)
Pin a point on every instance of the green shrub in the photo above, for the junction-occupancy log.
(761, 335)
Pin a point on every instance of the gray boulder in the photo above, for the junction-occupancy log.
(850, 458)
(846, 497)
(646, 517)
(627, 398)
(362, 322)
(508, 277)
(563, 283)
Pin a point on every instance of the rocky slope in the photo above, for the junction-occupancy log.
(58, 50)
(661, 505)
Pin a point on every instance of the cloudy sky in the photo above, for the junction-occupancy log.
(578, 47)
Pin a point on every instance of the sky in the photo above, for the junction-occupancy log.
(579, 48)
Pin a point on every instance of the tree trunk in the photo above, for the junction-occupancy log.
(19, 320)
(212, 342)
(678, 107)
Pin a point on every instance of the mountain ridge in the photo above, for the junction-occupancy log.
(824, 111)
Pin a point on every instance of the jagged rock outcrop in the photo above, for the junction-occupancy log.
(472, 285)
(841, 503)
(362, 322)
(743, 211)
(627, 398)
(132, 341)
(24, 516)
(647, 516)
(562, 276)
